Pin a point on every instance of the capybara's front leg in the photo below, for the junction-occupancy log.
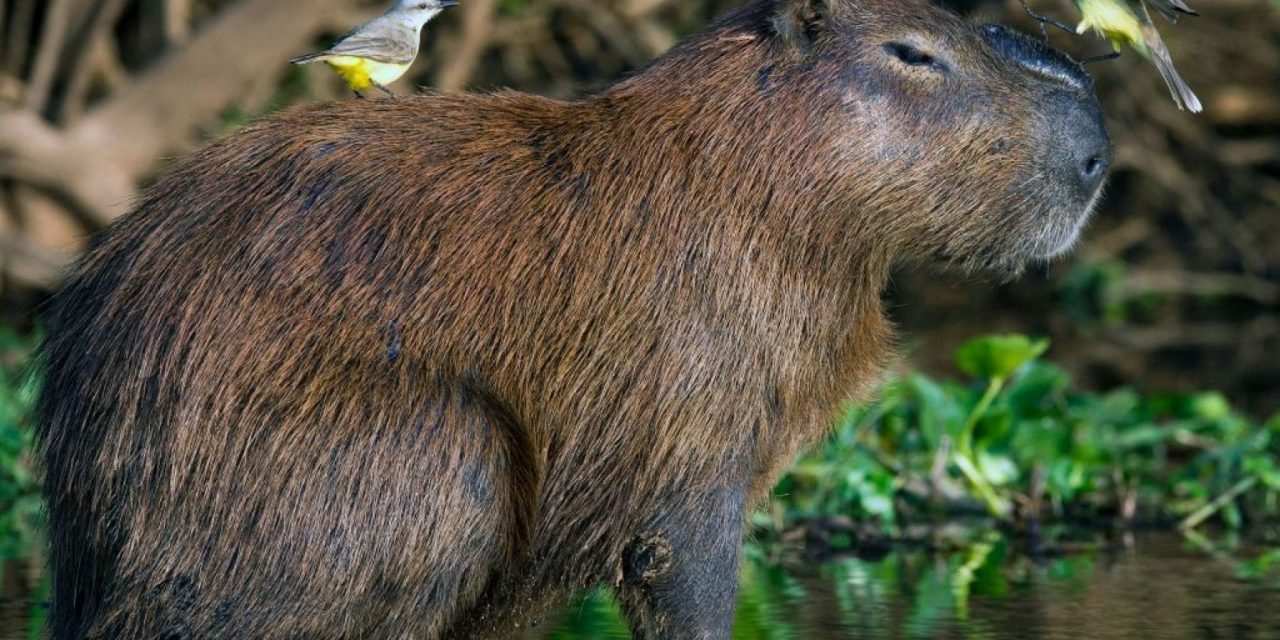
(679, 581)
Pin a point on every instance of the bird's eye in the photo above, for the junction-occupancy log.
(912, 56)
(424, 6)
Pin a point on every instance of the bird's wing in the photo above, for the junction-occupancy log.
(380, 41)
(1160, 56)
(1171, 8)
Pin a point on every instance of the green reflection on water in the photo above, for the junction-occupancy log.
(1159, 586)
(1149, 586)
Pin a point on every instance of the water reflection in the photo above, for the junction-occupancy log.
(22, 608)
(1155, 588)
(1161, 587)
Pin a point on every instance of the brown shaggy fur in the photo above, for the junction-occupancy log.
(421, 368)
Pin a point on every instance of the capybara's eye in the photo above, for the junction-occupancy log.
(912, 56)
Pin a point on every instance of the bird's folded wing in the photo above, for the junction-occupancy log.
(1171, 8)
(391, 49)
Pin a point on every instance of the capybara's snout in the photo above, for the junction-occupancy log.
(1077, 147)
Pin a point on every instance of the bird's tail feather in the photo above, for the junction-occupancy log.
(1178, 88)
(309, 58)
(1183, 95)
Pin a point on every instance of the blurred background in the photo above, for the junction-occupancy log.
(1176, 287)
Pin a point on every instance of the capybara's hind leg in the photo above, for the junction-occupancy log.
(368, 523)
(679, 579)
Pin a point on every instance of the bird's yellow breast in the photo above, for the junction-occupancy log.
(1112, 19)
(363, 74)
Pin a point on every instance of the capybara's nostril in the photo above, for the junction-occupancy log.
(1077, 147)
(1094, 168)
(1089, 152)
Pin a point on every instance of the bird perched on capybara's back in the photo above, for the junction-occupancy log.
(422, 368)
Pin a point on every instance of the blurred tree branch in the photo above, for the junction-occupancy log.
(84, 62)
(477, 27)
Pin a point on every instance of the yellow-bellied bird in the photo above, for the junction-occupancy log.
(378, 52)
(1127, 22)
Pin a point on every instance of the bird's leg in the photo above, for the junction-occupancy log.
(1102, 58)
(359, 96)
(1045, 21)
(385, 90)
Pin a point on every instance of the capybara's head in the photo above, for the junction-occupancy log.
(974, 143)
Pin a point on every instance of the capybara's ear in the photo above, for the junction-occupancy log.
(799, 23)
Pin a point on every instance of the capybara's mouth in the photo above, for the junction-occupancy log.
(1069, 240)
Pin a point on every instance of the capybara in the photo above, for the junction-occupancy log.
(422, 368)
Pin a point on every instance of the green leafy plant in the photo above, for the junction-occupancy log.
(994, 359)
(1020, 442)
(21, 510)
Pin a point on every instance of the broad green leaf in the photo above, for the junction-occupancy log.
(998, 357)
(1211, 406)
(939, 411)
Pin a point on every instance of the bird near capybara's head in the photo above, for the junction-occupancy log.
(422, 368)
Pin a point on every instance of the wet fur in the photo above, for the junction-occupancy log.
(422, 368)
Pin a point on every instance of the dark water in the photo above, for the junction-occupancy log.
(22, 607)
(1151, 587)
(1155, 587)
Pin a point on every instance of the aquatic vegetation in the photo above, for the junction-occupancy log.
(1021, 443)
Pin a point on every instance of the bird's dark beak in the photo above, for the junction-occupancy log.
(445, 4)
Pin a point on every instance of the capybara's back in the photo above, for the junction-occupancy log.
(421, 368)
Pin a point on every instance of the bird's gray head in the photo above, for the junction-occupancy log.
(422, 11)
